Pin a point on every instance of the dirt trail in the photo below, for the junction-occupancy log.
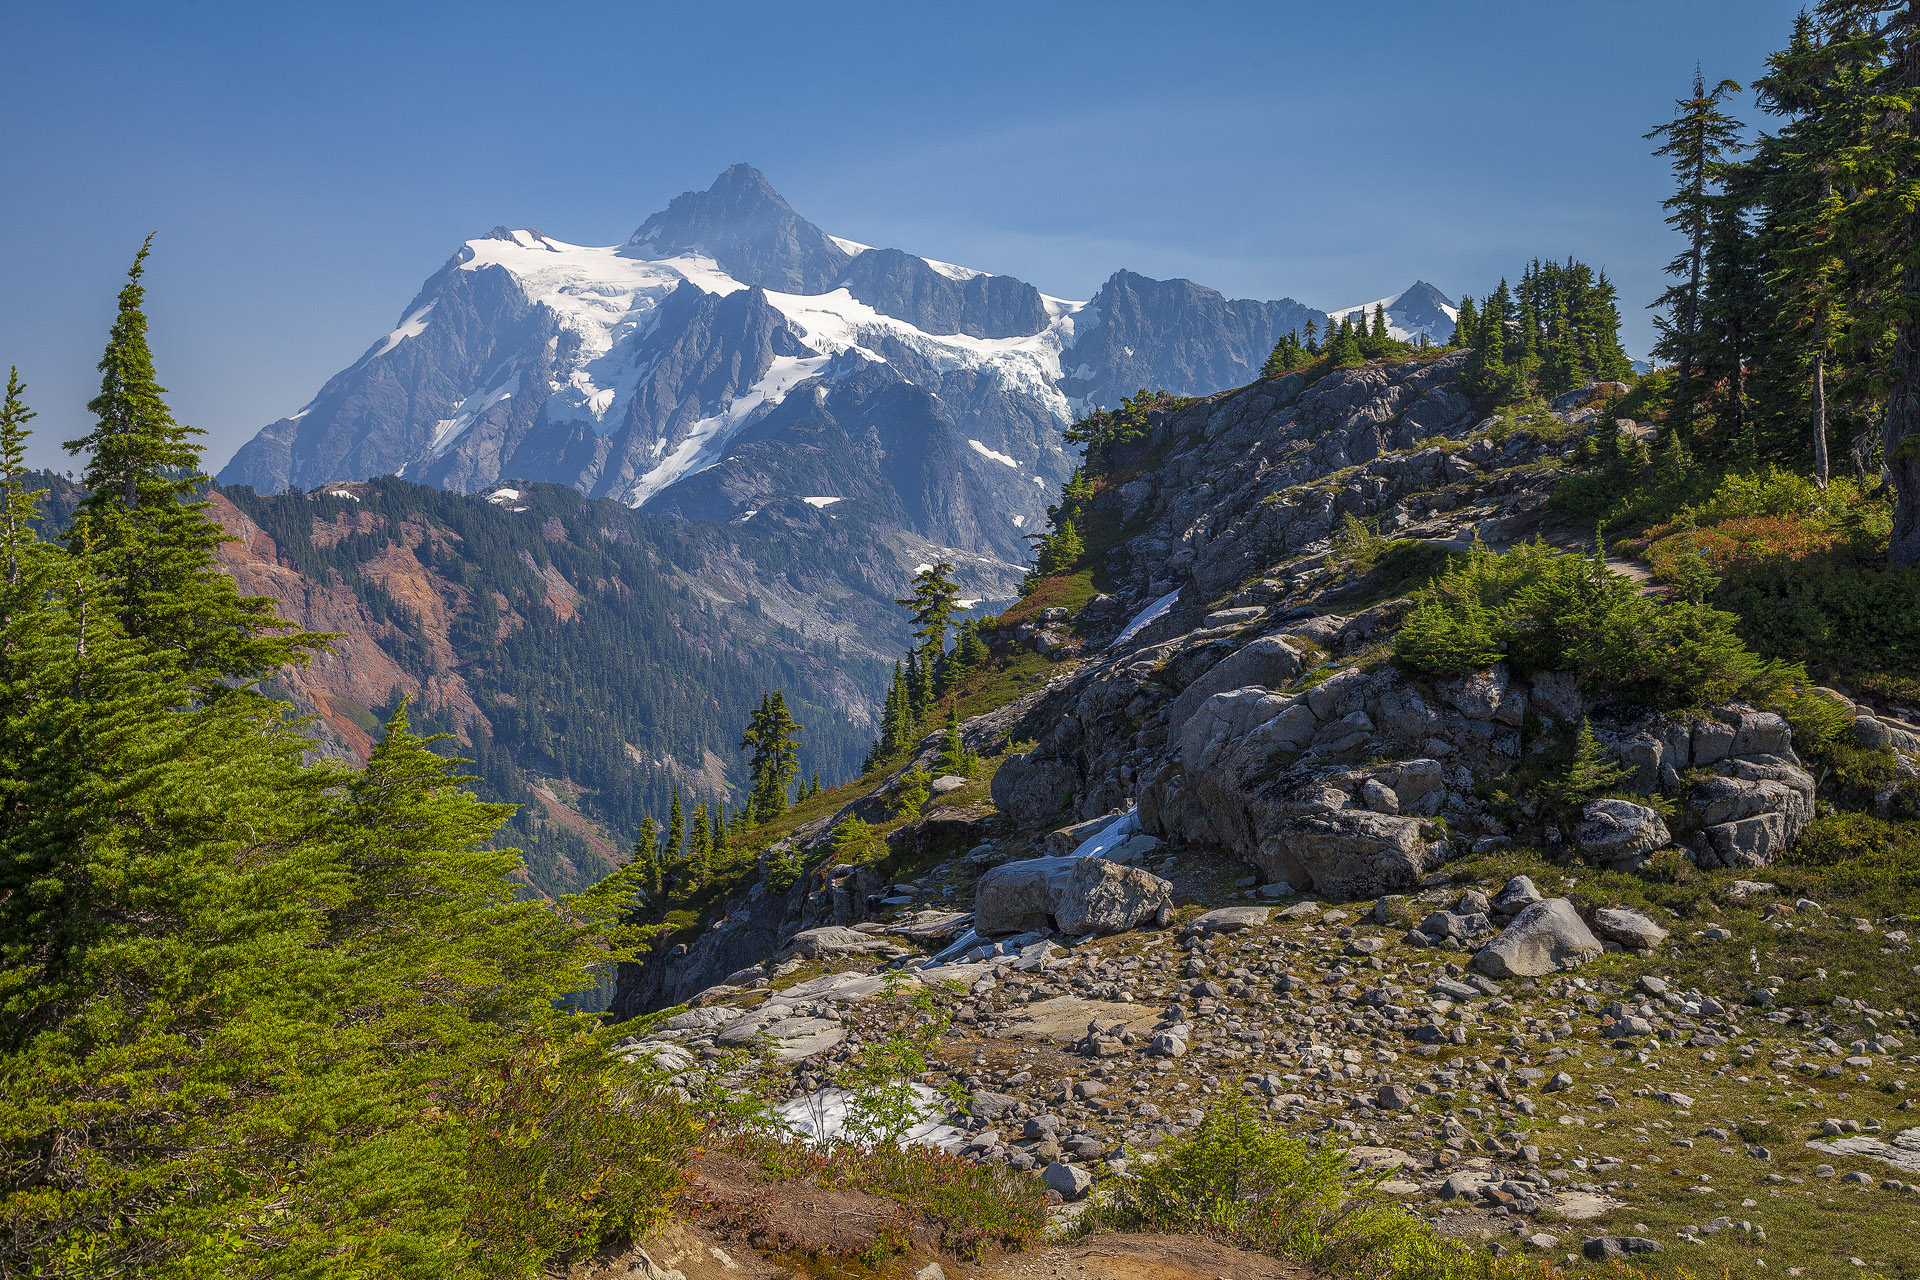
(1136, 1257)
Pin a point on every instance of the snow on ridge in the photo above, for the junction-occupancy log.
(836, 321)
(985, 452)
(819, 503)
(703, 442)
(852, 248)
(952, 271)
(447, 430)
(411, 327)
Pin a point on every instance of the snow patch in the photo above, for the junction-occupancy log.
(1019, 522)
(1111, 836)
(702, 445)
(504, 495)
(952, 272)
(342, 493)
(447, 430)
(817, 503)
(412, 327)
(821, 1118)
(1145, 618)
(985, 452)
(852, 248)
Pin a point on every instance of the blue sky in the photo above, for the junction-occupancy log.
(306, 167)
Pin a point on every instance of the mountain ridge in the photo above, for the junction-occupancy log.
(624, 371)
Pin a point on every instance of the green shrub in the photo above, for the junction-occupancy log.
(911, 792)
(855, 840)
(1241, 1178)
(1546, 610)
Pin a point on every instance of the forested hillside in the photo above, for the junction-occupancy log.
(588, 658)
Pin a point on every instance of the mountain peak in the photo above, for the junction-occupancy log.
(749, 229)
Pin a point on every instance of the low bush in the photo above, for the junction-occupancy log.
(1242, 1179)
(1539, 609)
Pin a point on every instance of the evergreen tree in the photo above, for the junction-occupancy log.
(775, 759)
(719, 829)
(1591, 773)
(19, 505)
(699, 849)
(1379, 332)
(673, 854)
(155, 542)
(954, 756)
(1467, 325)
(1699, 141)
(970, 650)
(645, 860)
(1313, 336)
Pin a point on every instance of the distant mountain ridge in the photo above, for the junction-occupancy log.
(731, 352)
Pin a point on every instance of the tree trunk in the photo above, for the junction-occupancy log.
(1821, 466)
(1901, 439)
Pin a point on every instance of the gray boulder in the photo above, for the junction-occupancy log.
(1073, 895)
(1628, 928)
(1268, 661)
(1547, 936)
(1761, 733)
(1750, 842)
(1229, 920)
(1519, 894)
(1017, 897)
(1071, 1181)
(1104, 897)
(1347, 853)
(833, 940)
(1617, 832)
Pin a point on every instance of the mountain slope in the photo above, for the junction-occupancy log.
(627, 371)
(588, 657)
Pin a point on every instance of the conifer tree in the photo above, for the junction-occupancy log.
(646, 860)
(721, 827)
(1313, 336)
(1699, 141)
(19, 506)
(954, 756)
(1467, 325)
(1379, 332)
(674, 852)
(775, 759)
(699, 849)
(1590, 774)
(155, 541)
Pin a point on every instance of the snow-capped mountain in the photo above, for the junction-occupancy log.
(1420, 309)
(731, 352)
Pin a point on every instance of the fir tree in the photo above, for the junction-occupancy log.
(674, 851)
(155, 542)
(954, 758)
(1698, 140)
(775, 759)
(1590, 774)
(1379, 332)
(645, 860)
(19, 505)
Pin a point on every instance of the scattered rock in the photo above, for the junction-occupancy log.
(1547, 936)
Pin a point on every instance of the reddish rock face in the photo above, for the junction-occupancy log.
(358, 673)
